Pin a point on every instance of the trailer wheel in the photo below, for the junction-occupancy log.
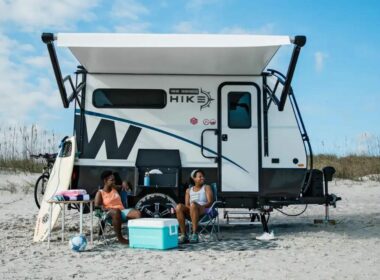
(157, 205)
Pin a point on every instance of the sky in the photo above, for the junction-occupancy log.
(335, 82)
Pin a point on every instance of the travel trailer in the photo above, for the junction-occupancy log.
(165, 104)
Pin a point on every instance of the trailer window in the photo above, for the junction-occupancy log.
(239, 110)
(129, 98)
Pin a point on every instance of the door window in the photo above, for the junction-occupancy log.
(239, 110)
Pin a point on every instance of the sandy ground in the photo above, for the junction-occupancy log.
(302, 250)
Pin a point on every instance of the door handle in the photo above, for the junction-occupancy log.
(224, 137)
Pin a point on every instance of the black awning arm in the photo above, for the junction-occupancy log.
(299, 42)
(48, 39)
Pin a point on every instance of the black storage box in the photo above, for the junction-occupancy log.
(316, 185)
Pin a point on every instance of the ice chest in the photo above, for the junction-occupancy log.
(152, 233)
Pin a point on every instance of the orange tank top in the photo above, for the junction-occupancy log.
(111, 200)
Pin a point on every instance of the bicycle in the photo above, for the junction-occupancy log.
(41, 183)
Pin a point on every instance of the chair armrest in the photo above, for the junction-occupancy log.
(98, 212)
(215, 204)
(101, 213)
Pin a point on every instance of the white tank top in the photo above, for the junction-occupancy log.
(199, 196)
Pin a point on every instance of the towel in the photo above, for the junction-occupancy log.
(77, 198)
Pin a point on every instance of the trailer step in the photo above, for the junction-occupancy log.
(242, 223)
(252, 215)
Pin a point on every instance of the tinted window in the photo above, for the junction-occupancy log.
(129, 98)
(239, 110)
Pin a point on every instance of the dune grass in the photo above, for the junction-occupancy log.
(352, 167)
(17, 143)
(23, 165)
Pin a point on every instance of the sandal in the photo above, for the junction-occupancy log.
(194, 238)
(182, 239)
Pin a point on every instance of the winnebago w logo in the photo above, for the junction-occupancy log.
(106, 132)
(190, 95)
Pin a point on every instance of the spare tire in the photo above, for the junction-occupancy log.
(157, 205)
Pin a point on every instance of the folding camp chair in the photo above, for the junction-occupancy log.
(105, 220)
(208, 223)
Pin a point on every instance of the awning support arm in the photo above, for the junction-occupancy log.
(299, 42)
(48, 39)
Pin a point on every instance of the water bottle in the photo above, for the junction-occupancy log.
(146, 179)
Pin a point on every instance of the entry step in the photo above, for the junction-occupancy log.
(253, 216)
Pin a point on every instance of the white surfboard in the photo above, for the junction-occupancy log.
(60, 179)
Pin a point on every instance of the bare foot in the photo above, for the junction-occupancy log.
(122, 240)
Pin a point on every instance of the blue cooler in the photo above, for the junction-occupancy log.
(151, 233)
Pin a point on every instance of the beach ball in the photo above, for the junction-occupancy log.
(78, 243)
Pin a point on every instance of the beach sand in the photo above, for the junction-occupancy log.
(302, 250)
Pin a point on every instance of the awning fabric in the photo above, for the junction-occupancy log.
(203, 54)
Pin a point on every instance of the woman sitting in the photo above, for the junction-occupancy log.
(197, 199)
(109, 199)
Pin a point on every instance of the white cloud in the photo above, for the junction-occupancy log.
(26, 48)
(185, 27)
(22, 92)
(319, 58)
(234, 30)
(41, 14)
(136, 27)
(128, 9)
(194, 27)
(28, 91)
(266, 29)
(38, 61)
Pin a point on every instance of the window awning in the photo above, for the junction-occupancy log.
(204, 54)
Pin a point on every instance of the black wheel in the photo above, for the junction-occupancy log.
(39, 189)
(157, 205)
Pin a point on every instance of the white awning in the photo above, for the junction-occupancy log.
(172, 53)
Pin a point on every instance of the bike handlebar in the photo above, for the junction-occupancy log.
(45, 156)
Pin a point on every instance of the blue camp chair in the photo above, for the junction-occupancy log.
(208, 224)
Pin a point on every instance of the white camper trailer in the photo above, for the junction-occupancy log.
(174, 103)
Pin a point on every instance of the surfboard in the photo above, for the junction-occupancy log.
(60, 179)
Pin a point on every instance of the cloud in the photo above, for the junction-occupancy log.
(38, 61)
(128, 9)
(319, 58)
(136, 27)
(26, 48)
(266, 29)
(185, 27)
(195, 27)
(28, 91)
(235, 30)
(30, 15)
(22, 91)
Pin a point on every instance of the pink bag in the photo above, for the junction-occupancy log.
(72, 193)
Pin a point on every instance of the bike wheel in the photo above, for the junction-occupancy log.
(39, 189)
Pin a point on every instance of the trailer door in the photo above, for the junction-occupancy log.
(238, 125)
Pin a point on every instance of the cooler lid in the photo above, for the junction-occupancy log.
(198, 54)
(152, 222)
